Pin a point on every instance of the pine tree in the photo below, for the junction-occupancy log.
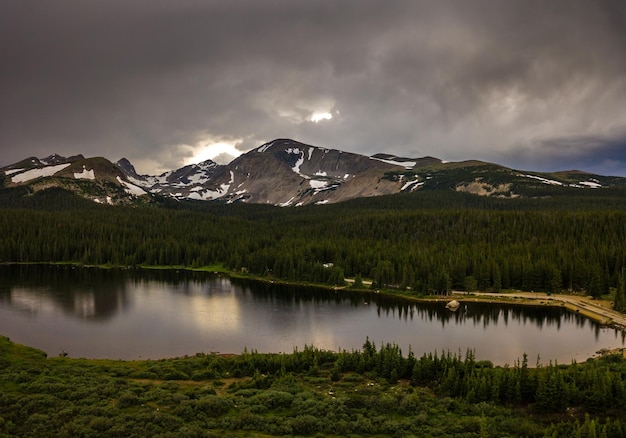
(620, 296)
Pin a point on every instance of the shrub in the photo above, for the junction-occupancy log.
(127, 399)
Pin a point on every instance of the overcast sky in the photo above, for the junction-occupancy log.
(531, 84)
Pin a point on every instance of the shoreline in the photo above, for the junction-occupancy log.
(583, 305)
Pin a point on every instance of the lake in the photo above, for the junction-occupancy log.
(141, 314)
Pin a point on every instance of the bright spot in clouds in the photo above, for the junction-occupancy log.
(317, 117)
(220, 152)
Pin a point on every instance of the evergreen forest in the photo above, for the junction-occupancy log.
(423, 243)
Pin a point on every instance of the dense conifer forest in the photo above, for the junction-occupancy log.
(423, 243)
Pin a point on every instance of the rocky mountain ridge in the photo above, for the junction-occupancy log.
(285, 172)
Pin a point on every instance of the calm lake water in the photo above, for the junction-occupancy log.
(132, 314)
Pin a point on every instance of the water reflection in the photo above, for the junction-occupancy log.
(86, 293)
(133, 314)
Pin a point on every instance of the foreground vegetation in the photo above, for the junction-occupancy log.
(371, 392)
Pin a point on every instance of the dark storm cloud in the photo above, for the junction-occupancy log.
(499, 80)
(594, 154)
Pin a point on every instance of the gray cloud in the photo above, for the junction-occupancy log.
(509, 81)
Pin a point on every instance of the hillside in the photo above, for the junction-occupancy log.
(285, 173)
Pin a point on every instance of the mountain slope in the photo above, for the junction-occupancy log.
(285, 172)
(96, 179)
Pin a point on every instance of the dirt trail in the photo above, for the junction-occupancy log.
(596, 310)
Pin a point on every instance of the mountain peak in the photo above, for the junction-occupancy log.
(279, 143)
(52, 159)
(126, 166)
(59, 159)
(286, 172)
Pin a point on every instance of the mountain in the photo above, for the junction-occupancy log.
(285, 172)
(96, 178)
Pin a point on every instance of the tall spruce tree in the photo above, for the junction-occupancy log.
(620, 295)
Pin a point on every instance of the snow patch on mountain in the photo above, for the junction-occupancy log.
(85, 174)
(265, 147)
(590, 184)
(139, 182)
(287, 203)
(109, 200)
(211, 194)
(36, 173)
(405, 164)
(299, 161)
(199, 178)
(412, 185)
(544, 180)
(317, 184)
(131, 189)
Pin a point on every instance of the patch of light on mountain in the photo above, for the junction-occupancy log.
(318, 117)
(220, 152)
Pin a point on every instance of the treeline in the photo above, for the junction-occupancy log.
(312, 392)
(425, 250)
(595, 387)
